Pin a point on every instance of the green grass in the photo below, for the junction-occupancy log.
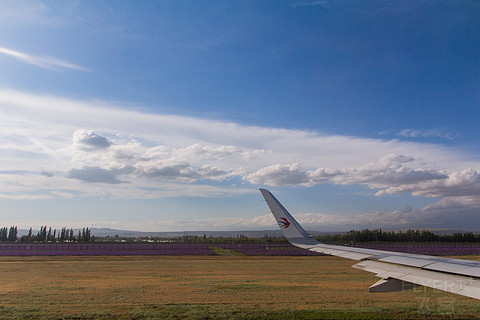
(224, 252)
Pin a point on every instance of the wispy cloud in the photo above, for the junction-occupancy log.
(314, 3)
(126, 154)
(422, 133)
(42, 62)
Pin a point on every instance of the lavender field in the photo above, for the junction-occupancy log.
(434, 249)
(172, 249)
(121, 249)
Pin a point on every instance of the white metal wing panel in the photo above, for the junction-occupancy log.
(456, 268)
(406, 260)
(342, 253)
(457, 284)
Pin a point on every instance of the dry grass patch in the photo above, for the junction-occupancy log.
(232, 286)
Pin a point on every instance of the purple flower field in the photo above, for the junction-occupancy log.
(77, 249)
(434, 249)
(122, 249)
(270, 249)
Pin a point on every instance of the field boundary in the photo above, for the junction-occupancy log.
(173, 249)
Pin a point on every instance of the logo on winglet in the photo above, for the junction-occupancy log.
(284, 223)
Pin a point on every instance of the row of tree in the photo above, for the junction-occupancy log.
(68, 235)
(367, 235)
(46, 235)
(8, 234)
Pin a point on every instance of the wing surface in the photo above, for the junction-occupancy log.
(397, 270)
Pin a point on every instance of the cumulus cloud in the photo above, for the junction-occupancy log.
(89, 139)
(280, 175)
(98, 175)
(207, 152)
(391, 173)
(465, 183)
(182, 171)
(158, 163)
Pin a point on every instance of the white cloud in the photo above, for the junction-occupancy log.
(181, 171)
(279, 175)
(322, 3)
(465, 183)
(54, 148)
(98, 175)
(53, 120)
(390, 173)
(89, 139)
(422, 133)
(47, 174)
(42, 62)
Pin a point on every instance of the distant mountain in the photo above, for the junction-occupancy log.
(104, 232)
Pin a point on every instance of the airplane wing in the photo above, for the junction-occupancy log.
(397, 270)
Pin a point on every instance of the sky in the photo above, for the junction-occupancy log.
(170, 115)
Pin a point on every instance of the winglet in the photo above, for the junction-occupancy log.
(290, 228)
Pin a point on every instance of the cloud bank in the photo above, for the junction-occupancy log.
(60, 148)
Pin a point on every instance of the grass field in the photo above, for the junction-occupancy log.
(210, 287)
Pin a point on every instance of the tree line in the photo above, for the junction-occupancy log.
(8, 234)
(84, 235)
(46, 235)
(367, 235)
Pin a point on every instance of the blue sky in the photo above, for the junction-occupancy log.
(169, 115)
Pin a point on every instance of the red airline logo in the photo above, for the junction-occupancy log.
(284, 223)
